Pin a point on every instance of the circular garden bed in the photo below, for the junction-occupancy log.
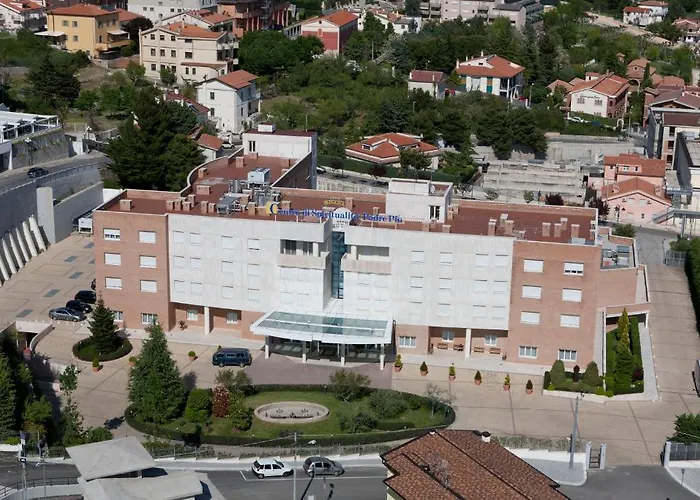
(85, 351)
(379, 416)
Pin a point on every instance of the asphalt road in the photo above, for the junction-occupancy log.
(17, 176)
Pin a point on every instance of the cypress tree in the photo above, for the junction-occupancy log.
(8, 420)
(104, 332)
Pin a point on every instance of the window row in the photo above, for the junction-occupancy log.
(445, 310)
(526, 351)
(115, 235)
(232, 317)
(149, 286)
(115, 259)
(195, 264)
(567, 294)
(565, 320)
(227, 242)
(537, 266)
(480, 260)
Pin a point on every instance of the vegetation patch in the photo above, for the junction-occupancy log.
(104, 343)
(87, 350)
(623, 352)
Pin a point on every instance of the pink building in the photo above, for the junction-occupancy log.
(629, 166)
(634, 200)
(334, 30)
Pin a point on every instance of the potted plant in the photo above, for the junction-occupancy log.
(95, 364)
(132, 361)
(423, 369)
(398, 364)
(452, 372)
(528, 387)
(192, 355)
(506, 383)
(477, 378)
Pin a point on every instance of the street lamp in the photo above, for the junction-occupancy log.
(294, 466)
(573, 431)
(42, 464)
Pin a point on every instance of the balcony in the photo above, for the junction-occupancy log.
(365, 266)
(304, 261)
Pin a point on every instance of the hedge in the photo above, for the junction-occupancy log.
(390, 430)
(610, 340)
(391, 172)
(122, 351)
(692, 271)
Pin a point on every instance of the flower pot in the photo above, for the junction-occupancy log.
(95, 368)
(192, 358)
(132, 363)
(528, 391)
(477, 382)
(423, 374)
(506, 387)
(397, 369)
(452, 377)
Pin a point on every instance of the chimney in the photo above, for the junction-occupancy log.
(482, 53)
(186, 206)
(574, 230)
(492, 227)
(349, 203)
(190, 198)
(564, 221)
(203, 189)
(251, 208)
(203, 207)
(170, 205)
(240, 162)
(202, 173)
(546, 226)
(125, 205)
(557, 230)
(591, 235)
(212, 208)
(486, 437)
(177, 204)
(446, 228)
(509, 227)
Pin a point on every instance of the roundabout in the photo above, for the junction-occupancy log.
(291, 412)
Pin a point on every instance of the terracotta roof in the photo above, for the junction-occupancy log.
(636, 68)
(21, 6)
(593, 74)
(210, 142)
(494, 66)
(172, 96)
(477, 470)
(420, 76)
(628, 186)
(672, 81)
(237, 79)
(388, 146)
(636, 10)
(559, 83)
(341, 18)
(210, 17)
(680, 96)
(80, 10)
(649, 167)
(609, 85)
(126, 16)
(576, 81)
(192, 31)
(682, 119)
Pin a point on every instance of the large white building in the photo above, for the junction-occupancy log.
(155, 10)
(233, 100)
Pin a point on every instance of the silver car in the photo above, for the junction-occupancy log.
(322, 466)
(66, 314)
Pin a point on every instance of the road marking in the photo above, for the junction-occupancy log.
(243, 476)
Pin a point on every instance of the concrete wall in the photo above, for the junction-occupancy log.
(57, 221)
(51, 491)
(45, 146)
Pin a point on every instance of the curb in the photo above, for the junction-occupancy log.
(683, 485)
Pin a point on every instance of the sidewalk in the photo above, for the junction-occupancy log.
(688, 477)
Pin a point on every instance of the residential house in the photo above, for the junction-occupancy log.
(21, 15)
(625, 166)
(432, 82)
(644, 14)
(385, 149)
(491, 74)
(95, 31)
(211, 146)
(334, 30)
(659, 10)
(256, 15)
(634, 200)
(519, 12)
(233, 100)
(690, 28)
(635, 73)
(155, 10)
(462, 464)
(202, 112)
(603, 96)
(565, 86)
(191, 52)
(668, 115)
(400, 24)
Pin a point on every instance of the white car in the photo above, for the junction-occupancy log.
(576, 119)
(271, 467)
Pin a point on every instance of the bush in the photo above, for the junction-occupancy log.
(398, 363)
(547, 379)
(191, 354)
(558, 373)
(357, 422)
(577, 373)
(235, 381)
(600, 391)
(626, 230)
(477, 375)
(423, 367)
(387, 404)
(98, 434)
(95, 362)
(199, 405)
(414, 401)
(348, 386)
(623, 370)
(132, 359)
(13, 440)
(394, 426)
(220, 402)
(609, 393)
(239, 413)
(528, 386)
(85, 351)
(591, 375)
(551, 387)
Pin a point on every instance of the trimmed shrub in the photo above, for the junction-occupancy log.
(547, 379)
(239, 413)
(558, 373)
(354, 423)
(591, 375)
(600, 391)
(424, 367)
(577, 373)
(387, 404)
(85, 351)
(551, 387)
(97, 434)
(383, 425)
(198, 407)
(623, 370)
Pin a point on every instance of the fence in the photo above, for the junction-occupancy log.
(37, 483)
(676, 259)
(681, 452)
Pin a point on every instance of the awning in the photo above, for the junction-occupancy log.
(50, 33)
(118, 32)
(331, 329)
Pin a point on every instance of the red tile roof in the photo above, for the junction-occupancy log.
(192, 31)
(21, 6)
(126, 16)
(388, 146)
(636, 10)
(341, 18)
(237, 79)
(421, 76)
(494, 66)
(629, 186)
(172, 96)
(680, 96)
(648, 167)
(450, 464)
(559, 83)
(210, 17)
(80, 10)
(636, 67)
(609, 85)
(210, 142)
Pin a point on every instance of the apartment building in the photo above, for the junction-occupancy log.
(156, 10)
(519, 12)
(491, 74)
(250, 249)
(604, 95)
(256, 15)
(21, 15)
(233, 100)
(192, 52)
(334, 30)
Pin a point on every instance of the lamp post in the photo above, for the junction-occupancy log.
(573, 431)
(41, 463)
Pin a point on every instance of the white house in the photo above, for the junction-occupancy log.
(645, 13)
(602, 96)
(491, 75)
(18, 15)
(400, 24)
(233, 100)
(432, 82)
(155, 10)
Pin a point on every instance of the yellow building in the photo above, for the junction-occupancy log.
(88, 28)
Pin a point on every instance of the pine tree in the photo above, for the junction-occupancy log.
(104, 332)
(623, 329)
(8, 421)
(155, 386)
(71, 424)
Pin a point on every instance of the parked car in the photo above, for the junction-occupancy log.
(66, 314)
(233, 356)
(93, 284)
(271, 467)
(79, 305)
(36, 172)
(322, 466)
(576, 119)
(87, 296)
(320, 170)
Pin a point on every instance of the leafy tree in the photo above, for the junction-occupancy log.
(97, 434)
(439, 398)
(220, 401)
(37, 415)
(591, 376)
(356, 423)
(267, 52)
(198, 407)
(68, 379)
(387, 404)
(356, 47)
(553, 199)
(8, 400)
(413, 159)
(235, 381)
(528, 196)
(347, 385)
(104, 332)
(602, 206)
(71, 424)
(51, 85)
(623, 330)
(155, 386)
(626, 230)
(558, 373)
(87, 100)
(454, 128)
(138, 24)
(240, 415)
(393, 114)
(167, 76)
(135, 71)
(687, 429)
(412, 8)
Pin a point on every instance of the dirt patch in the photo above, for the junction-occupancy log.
(93, 76)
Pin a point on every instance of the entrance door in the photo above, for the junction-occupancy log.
(338, 249)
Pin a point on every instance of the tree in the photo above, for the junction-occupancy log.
(235, 381)
(168, 77)
(104, 332)
(528, 196)
(8, 421)
(37, 415)
(439, 398)
(553, 199)
(602, 206)
(393, 114)
(376, 170)
(71, 424)
(623, 329)
(240, 415)
(97, 434)
(558, 373)
(87, 100)
(135, 71)
(135, 26)
(626, 230)
(155, 386)
(270, 51)
(347, 385)
(181, 118)
(198, 407)
(624, 368)
(51, 84)
(591, 376)
(687, 429)
(68, 379)
(413, 159)
(413, 8)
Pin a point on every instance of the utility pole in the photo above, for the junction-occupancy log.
(23, 461)
(294, 482)
(573, 432)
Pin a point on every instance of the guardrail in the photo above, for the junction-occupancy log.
(6, 490)
(41, 181)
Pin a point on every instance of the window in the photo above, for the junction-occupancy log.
(417, 257)
(251, 146)
(173, 53)
(598, 102)
(490, 339)
(172, 37)
(75, 24)
(527, 351)
(530, 318)
(211, 111)
(481, 260)
(188, 55)
(253, 269)
(499, 287)
(571, 295)
(149, 286)
(573, 268)
(111, 234)
(481, 286)
(211, 95)
(498, 312)
(227, 242)
(434, 211)
(227, 267)
(153, 37)
(147, 237)
(180, 286)
(448, 336)
(444, 310)
(192, 315)
(445, 284)
(566, 355)
(148, 261)
(416, 282)
(227, 292)
(289, 247)
(195, 263)
(65, 23)
(232, 317)
(196, 288)
(113, 259)
(178, 237)
(178, 261)
(445, 258)
(253, 295)
(195, 238)
(253, 244)
(569, 321)
(533, 266)
(479, 311)
(532, 292)
(581, 100)
(501, 261)
(405, 341)
(153, 67)
(148, 318)
(113, 283)
(118, 316)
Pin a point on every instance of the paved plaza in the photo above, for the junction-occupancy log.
(633, 431)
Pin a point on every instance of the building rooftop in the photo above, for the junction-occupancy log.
(126, 16)
(80, 10)
(388, 146)
(449, 464)
(636, 184)
(559, 83)
(636, 68)
(636, 10)
(682, 119)
(341, 18)
(491, 65)
(692, 144)
(193, 31)
(179, 98)
(421, 76)
(679, 96)
(237, 79)
(609, 85)
(176, 485)
(110, 458)
(210, 142)
(21, 5)
(649, 167)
